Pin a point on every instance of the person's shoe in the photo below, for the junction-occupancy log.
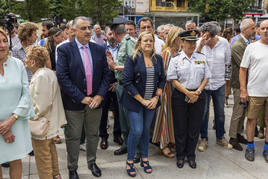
(192, 164)
(202, 145)
(234, 142)
(224, 143)
(241, 139)
(73, 175)
(146, 166)
(83, 147)
(120, 151)
(250, 154)
(118, 140)
(261, 133)
(5, 165)
(137, 158)
(180, 163)
(167, 152)
(131, 171)
(265, 155)
(95, 170)
(104, 144)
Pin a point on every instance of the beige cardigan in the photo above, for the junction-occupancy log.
(47, 102)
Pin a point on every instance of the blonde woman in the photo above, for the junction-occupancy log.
(164, 130)
(47, 103)
(15, 110)
(143, 81)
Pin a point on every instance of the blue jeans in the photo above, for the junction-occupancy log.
(140, 123)
(218, 98)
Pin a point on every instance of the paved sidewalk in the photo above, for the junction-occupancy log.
(215, 163)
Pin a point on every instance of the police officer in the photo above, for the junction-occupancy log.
(189, 74)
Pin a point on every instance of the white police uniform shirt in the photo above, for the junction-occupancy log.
(189, 72)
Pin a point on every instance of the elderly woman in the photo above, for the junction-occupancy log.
(16, 109)
(47, 104)
(27, 34)
(188, 73)
(164, 130)
(143, 81)
(218, 53)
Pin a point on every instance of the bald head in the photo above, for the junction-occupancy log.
(97, 29)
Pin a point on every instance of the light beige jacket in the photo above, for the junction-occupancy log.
(47, 102)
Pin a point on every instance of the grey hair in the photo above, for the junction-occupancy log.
(212, 27)
(79, 18)
(188, 23)
(245, 23)
(96, 26)
(167, 26)
(120, 29)
(160, 28)
(107, 28)
(69, 23)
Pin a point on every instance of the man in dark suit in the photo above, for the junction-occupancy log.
(83, 75)
(247, 27)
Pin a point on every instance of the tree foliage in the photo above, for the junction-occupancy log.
(101, 11)
(220, 9)
(3, 9)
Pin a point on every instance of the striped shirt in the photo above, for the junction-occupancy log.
(149, 88)
(219, 60)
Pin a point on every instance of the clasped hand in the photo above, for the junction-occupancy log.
(92, 102)
(193, 96)
(150, 104)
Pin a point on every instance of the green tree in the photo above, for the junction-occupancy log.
(4, 8)
(239, 7)
(220, 9)
(31, 9)
(102, 11)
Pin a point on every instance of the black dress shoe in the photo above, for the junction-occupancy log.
(73, 175)
(241, 139)
(180, 163)
(118, 140)
(104, 143)
(120, 151)
(250, 154)
(95, 170)
(5, 165)
(192, 164)
(235, 144)
(137, 158)
(265, 155)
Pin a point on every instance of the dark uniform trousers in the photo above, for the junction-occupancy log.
(110, 99)
(187, 119)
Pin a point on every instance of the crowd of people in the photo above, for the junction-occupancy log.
(157, 84)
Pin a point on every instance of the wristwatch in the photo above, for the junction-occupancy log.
(15, 116)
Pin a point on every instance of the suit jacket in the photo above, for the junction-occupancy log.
(71, 74)
(237, 53)
(47, 102)
(134, 80)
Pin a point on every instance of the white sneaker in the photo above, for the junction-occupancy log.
(202, 145)
(83, 147)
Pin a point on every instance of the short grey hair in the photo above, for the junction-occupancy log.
(160, 28)
(212, 27)
(69, 23)
(168, 26)
(188, 23)
(245, 23)
(79, 18)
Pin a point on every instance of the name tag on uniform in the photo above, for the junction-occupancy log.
(199, 62)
